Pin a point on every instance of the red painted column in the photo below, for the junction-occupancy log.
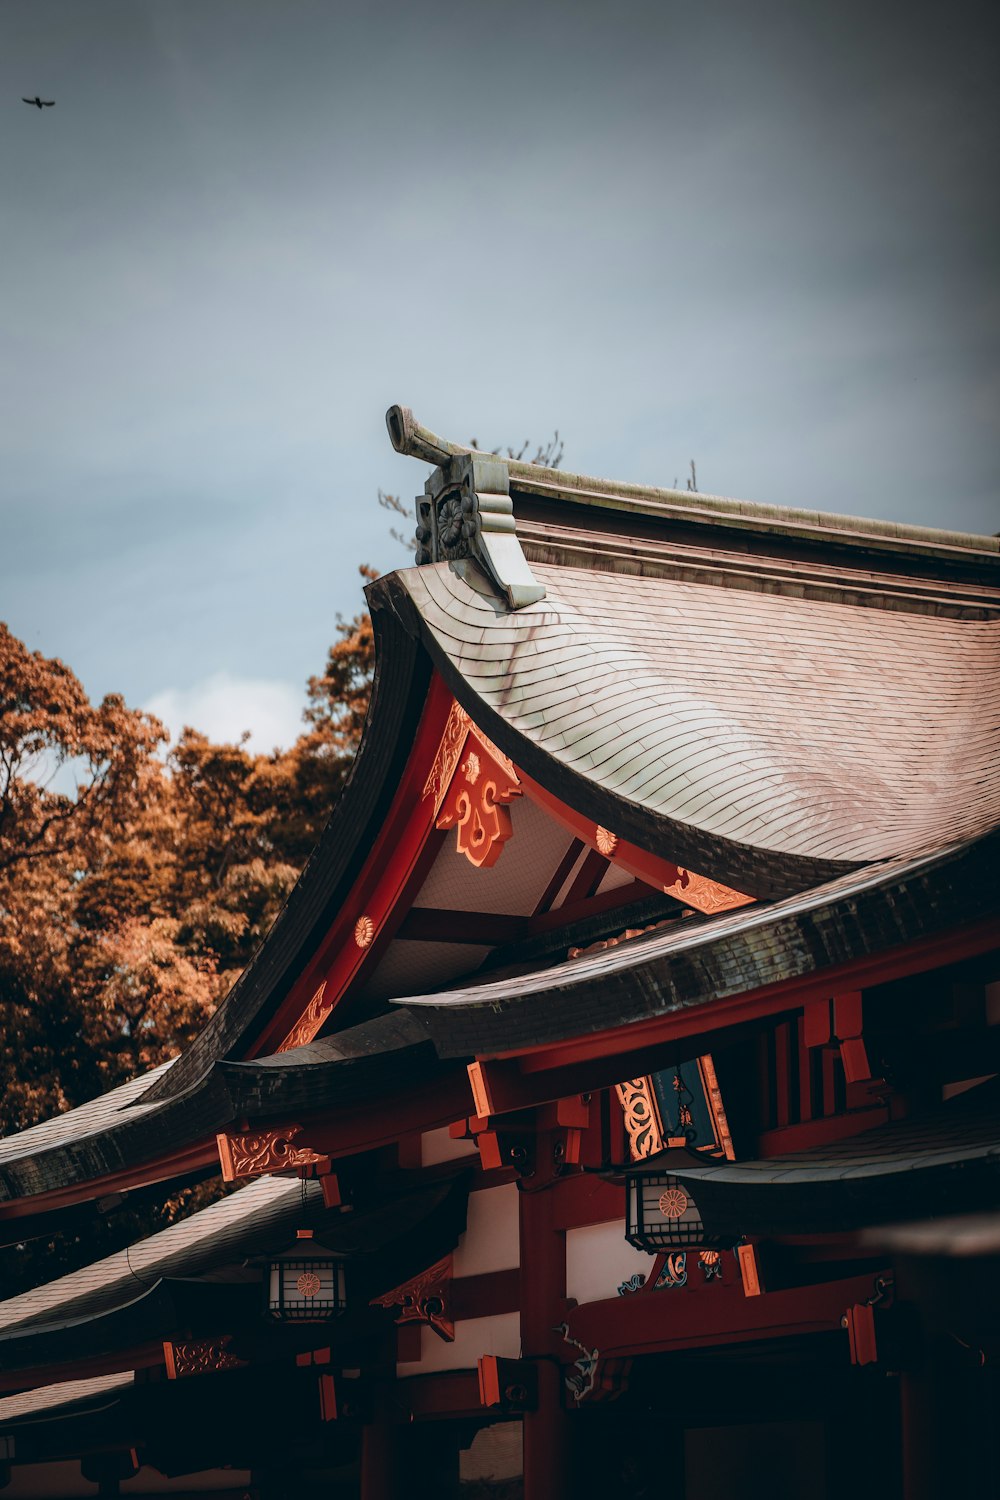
(378, 1436)
(543, 1299)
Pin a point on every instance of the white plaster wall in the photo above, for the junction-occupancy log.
(599, 1258)
(438, 1145)
(500, 1335)
(490, 1242)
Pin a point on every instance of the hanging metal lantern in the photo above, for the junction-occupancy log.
(660, 1213)
(305, 1283)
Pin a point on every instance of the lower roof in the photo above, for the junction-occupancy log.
(944, 1162)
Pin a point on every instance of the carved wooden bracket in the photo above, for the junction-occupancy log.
(474, 804)
(263, 1151)
(470, 781)
(642, 1117)
(200, 1357)
(704, 894)
(425, 1299)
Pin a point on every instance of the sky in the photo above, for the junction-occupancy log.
(760, 235)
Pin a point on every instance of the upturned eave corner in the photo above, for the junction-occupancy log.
(465, 514)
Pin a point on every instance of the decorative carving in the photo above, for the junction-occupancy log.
(199, 1358)
(673, 1272)
(591, 1376)
(424, 1299)
(673, 1203)
(449, 753)
(635, 1283)
(364, 931)
(474, 805)
(612, 942)
(580, 1384)
(710, 1264)
(450, 750)
(466, 512)
(309, 1022)
(642, 1117)
(263, 1151)
(713, 1094)
(606, 842)
(704, 894)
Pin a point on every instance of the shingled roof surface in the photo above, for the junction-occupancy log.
(224, 1231)
(756, 732)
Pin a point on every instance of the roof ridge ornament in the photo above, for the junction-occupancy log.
(466, 511)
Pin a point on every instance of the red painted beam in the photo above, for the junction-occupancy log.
(701, 1021)
(586, 1199)
(142, 1357)
(682, 1318)
(450, 1393)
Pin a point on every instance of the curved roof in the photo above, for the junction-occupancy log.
(768, 740)
(701, 963)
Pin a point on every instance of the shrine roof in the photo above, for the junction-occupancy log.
(691, 965)
(195, 1277)
(775, 741)
(84, 1394)
(944, 1162)
(703, 961)
(258, 1213)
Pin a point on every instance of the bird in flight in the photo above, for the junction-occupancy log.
(39, 103)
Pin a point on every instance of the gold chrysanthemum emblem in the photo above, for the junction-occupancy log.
(471, 768)
(673, 1203)
(364, 932)
(606, 842)
(308, 1284)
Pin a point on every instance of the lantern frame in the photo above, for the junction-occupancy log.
(661, 1214)
(306, 1283)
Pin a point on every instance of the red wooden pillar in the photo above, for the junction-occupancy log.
(543, 1298)
(378, 1436)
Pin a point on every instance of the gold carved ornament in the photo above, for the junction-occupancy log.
(642, 1117)
(705, 895)
(263, 1151)
(309, 1023)
(424, 1299)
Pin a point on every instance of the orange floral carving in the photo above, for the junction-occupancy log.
(475, 805)
(263, 1151)
(424, 1299)
(309, 1023)
(704, 894)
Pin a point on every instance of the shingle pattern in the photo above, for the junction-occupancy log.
(782, 726)
(87, 1119)
(224, 1231)
(65, 1393)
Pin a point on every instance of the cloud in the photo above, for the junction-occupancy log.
(224, 706)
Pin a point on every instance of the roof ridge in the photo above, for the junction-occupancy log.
(411, 438)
